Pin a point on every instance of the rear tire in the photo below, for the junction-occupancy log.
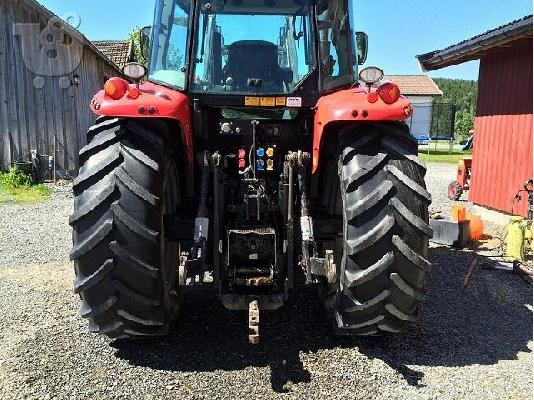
(125, 267)
(382, 274)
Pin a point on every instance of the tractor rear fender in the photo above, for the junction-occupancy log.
(153, 101)
(350, 106)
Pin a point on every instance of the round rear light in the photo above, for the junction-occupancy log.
(372, 97)
(116, 88)
(389, 92)
(134, 93)
(134, 71)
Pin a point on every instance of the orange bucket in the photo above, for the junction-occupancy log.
(458, 212)
(476, 225)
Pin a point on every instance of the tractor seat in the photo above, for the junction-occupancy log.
(255, 59)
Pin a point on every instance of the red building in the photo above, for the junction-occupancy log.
(502, 152)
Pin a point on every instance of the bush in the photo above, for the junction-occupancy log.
(465, 121)
(15, 180)
(17, 187)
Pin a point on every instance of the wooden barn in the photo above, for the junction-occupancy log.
(502, 152)
(48, 75)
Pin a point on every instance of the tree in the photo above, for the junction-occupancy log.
(463, 94)
(175, 60)
(135, 37)
(464, 123)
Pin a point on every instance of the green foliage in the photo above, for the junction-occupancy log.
(465, 120)
(439, 153)
(135, 37)
(459, 91)
(442, 156)
(15, 179)
(175, 61)
(463, 94)
(17, 187)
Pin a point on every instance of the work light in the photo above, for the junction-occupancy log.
(371, 75)
(134, 71)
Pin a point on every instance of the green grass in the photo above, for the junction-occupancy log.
(440, 154)
(17, 188)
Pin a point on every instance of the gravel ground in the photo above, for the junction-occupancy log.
(438, 177)
(470, 343)
(38, 233)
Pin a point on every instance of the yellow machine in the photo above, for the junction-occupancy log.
(528, 237)
(515, 239)
(518, 233)
(518, 238)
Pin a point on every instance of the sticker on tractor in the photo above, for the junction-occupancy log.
(294, 102)
(280, 101)
(252, 101)
(267, 102)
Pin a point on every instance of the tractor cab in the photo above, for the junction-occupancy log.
(236, 47)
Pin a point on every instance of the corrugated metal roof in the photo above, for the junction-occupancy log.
(415, 85)
(118, 51)
(477, 46)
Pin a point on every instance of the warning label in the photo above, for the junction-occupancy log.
(294, 102)
(267, 102)
(252, 101)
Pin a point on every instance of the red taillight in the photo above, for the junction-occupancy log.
(389, 92)
(372, 97)
(116, 88)
(134, 93)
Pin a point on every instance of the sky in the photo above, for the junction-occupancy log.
(397, 30)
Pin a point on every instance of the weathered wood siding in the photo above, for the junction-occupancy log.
(32, 118)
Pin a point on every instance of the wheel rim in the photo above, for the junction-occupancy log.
(452, 191)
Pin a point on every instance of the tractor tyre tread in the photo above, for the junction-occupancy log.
(382, 274)
(117, 227)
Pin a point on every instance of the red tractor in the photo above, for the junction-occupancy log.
(248, 155)
(463, 179)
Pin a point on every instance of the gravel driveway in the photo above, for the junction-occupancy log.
(470, 343)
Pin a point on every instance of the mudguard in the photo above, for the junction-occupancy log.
(154, 101)
(352, 105)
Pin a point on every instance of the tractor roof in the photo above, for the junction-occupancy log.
(267, 7)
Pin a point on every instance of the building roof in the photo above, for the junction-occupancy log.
(478, 46)
(45, 12)
(118, 51)
(415, 85)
